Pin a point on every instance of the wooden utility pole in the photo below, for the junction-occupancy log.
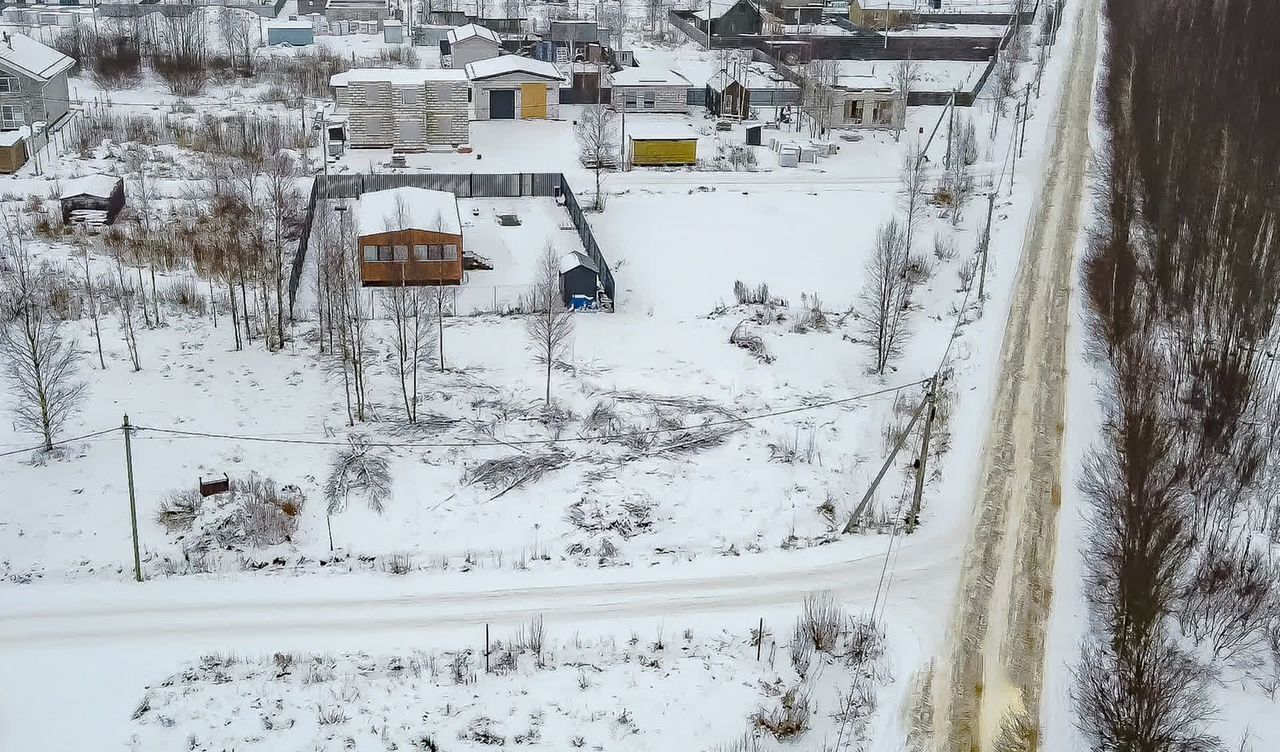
(1026, 111)
(913, 518)
(986, 243)
(951, 125)
(133, 499)
(851, 525)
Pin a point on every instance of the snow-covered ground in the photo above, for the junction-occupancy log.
(736, 506)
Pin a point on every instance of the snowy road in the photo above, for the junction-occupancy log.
(998, 636)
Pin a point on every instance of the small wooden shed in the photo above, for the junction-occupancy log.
(290, 33)
(13, 150)
(93, 199)
(579, 277)
(660, 145)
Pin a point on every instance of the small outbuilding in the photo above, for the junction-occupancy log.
(470, 43)
(290, 33)
(579, 278)
(13, 150)
(641, 89)
(409, 237)
(92, 199)
(511, 87)
(661, 145)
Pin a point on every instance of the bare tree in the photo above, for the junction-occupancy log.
(182, 58)
(410, 315)
(883, 303)
(818, 94)
(439, 301)
(550, 323)
(95, 307)
(356, 469)
(913, 179)
(354, 352)
(124, 296)
(285, 203)
(902, 78)
(597, 135)
(240, 34)
(956, 187)
(39, 365)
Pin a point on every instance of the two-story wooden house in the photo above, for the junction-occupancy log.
(33, 82)
(409, 236)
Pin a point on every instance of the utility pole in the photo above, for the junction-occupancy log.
(986, 242)
(1013, 162)
(951, 124)
(1026, 112)
(133, 500)
(851, 525)
(930, 399)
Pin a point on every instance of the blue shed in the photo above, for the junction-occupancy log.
(290, 33)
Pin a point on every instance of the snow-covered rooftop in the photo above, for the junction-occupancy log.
(660, 131)
(757, 76)
(10, 138)
(25, 55)
(286, 24)
(715, 9)
(931, 75)
(408, 209)
(648, 76)
(575, 259)
(505, 64)
(97, 185)
(461, 33)
(400, 76)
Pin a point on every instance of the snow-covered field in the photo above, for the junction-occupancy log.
(670, 451)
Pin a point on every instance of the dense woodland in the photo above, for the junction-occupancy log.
(1183, 281)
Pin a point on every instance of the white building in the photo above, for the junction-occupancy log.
(470, 43)
(406, 109)
(514, 87)
(650, 90)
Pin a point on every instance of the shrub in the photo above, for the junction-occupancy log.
(254, 512)
(790, 719)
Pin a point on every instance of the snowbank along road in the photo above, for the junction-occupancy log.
(993, 677)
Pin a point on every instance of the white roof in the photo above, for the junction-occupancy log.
(648, 76)
(399, 76)
(380, 211)
(11, 138)
(660, 131)
(100, 186)
(460, 33)
(504, 64)
(31, 58)
(289, 25)
(931, 75)
(758, 76)
(574, 259)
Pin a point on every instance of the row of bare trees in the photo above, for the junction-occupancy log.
(1183, 283)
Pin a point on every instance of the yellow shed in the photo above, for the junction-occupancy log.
(651, 146)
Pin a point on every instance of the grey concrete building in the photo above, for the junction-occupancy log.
(470, 43)
(650, 90)
(405, 109)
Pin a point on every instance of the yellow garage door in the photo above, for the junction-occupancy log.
(533, 101)
(664, 152)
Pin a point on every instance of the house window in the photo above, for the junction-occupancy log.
(629, 98)
(371, 253)
(650, 100)
(853, 111)
(400, 252)
(410, 96)
(384, 253)
(420, 253)
(8, 84)
(11, 116)
(449, 253)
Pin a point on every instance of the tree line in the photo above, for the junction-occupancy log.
(1183, 286)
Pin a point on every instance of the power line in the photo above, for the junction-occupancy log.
(537, 442)
(60, 442)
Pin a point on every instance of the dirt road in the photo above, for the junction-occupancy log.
(997, 638)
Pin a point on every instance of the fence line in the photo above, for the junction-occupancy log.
(465, 185)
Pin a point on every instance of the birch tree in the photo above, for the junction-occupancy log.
(39, 364)
(284, 202)
(902, 78)
(882, 308)
(597, 136)
(550, 323)
(913, 180)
